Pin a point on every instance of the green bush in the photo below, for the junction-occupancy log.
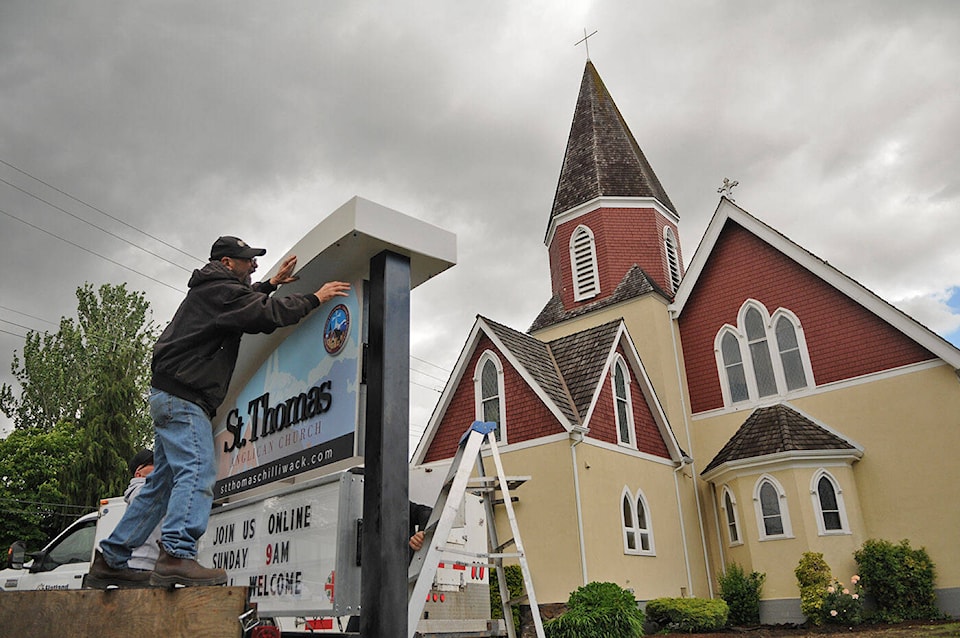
(515, 585)
(689, 615)
(813, 576)
(899, 578)
(842, 604)
(742, 593)
(598, 610)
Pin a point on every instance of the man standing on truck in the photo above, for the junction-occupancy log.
(193, 362)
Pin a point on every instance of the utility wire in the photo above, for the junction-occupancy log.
(7, 332)
(100, 228)
(424, 361)
(117, 263)
(102, 212)
(61, 505)
(2, 307)
(425, 386)
(429, 376)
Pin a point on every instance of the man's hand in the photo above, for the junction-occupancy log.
(285, 274)
(332, 289)
(416, 541)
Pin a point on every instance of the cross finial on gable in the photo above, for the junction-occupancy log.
(585, 43)
(726, 189)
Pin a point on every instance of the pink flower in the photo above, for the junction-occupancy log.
(833, 612)
(855, 579)
(846, 591)
(830, 589)
(856, 596)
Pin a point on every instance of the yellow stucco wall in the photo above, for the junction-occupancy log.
(547, 518)
(903, 487)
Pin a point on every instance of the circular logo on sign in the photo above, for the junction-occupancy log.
(335, 329)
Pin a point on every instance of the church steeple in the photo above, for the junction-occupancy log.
(612, 233)
(602, 158)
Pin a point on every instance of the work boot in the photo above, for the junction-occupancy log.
(171, 571)
(102, 576)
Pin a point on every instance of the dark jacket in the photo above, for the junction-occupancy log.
(195, 356)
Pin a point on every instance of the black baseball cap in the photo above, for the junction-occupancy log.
(228, 246)
(141, 458)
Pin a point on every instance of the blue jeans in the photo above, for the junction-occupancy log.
(179, 490)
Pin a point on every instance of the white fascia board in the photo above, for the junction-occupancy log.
(649, 392)
(456, 377)
(547, 401)
(820, 268)
(780, 460)
(607, 202)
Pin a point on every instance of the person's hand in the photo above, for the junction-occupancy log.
(285, 273)
(333, 289)
(416, 541)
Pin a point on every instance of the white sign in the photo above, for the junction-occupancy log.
(295, 550)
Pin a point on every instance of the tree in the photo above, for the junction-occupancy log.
(91, 376)
(31, 496)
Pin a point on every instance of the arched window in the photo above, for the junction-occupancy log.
(733, 367)
(637, 529)
(760, 352)
(773, 517)
(673, 257)
(623, 405)
(583, 264)
(488, 392)
(790, 356)
(828, 503)
(730, 509)
(750, 367)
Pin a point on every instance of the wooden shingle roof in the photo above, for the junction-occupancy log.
(773, 430)
(568, 369)
(536, 358)
(634, 284)
(581, 358)
(602, 158)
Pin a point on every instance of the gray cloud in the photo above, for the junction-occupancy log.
(190, 120)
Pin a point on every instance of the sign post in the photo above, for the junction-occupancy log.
(383, 572)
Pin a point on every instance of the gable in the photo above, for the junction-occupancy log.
(602, 421)
(844, 339)
(525, 415)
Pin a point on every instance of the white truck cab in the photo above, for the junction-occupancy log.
(64, 561)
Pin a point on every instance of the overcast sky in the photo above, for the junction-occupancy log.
(188, 120)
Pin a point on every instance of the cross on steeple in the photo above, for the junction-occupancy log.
(585, 43)
(726, 189)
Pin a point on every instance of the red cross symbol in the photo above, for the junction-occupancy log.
(329, 586)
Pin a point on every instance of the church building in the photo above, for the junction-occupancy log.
(758, 405)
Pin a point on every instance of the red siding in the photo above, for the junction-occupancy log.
(623, 237)
(603, 421)
(526, 416)
(844, 339)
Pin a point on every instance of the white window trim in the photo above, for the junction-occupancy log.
(818, 506)
(489, 355)
(579, 294)
(619, 361)
(724, 493)
(722, 366)
(635, 525)
(773, 347)
(671, 247)
(784, 509)
(801, 345)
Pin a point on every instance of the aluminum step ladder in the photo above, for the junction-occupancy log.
(423, 566)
